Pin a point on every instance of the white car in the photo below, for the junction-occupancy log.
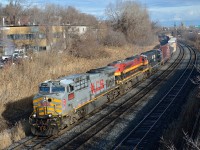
(1, 64)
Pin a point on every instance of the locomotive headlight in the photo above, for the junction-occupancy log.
(34, 115)
(50, 115)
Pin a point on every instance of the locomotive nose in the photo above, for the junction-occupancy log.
(47, 105)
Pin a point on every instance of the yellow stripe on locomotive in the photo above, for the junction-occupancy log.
(132, 68)
(45, 106)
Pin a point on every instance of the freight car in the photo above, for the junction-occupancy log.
(62, 102)
(172, 44)
(164, 47)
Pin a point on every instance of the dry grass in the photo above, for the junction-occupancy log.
(14, 134)
(5, 139)
(20, 82)
(17, 132)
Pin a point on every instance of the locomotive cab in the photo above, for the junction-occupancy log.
(159, 55)
(45, 102)
(54, 101)
(46, 115)
(144, 60)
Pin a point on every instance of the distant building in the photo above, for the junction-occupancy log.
(80, 30)
(40, 37)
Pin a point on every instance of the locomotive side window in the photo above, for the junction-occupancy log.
(143, 59)
(58, 89)
(82, 83)
(71, 88)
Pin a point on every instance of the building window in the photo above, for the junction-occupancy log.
(16, 36)
(41, 36)
(11, 36)
(21, 36)
(30, 36)
(42, 48)
(57, 35)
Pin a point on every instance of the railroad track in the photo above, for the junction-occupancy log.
(36, 142)
(79, 138)
(141, 134)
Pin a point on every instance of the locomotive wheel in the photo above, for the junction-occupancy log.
(116, 93)
(65, 123)
(129, 85)
(80, 114)
(126, 87)
(110, 96)
(73, 120)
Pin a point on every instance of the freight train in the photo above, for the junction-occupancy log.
(63, 101)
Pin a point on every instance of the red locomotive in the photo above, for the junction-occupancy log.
(129, 66)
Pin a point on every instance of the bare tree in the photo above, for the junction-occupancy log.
(130, 18)
(1, 14)
(14, 10)
(34, 14)
(72, 16)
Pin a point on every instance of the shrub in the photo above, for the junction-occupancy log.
(114, 38)
(87, 47)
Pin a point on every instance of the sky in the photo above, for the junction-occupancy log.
(165, 12)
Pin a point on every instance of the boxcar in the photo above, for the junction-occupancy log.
(166, 52)
(172, 44)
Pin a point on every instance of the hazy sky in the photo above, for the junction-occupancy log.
(166, 12)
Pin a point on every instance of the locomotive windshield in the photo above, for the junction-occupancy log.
(56, 89)
(51, 87)
(44, 89)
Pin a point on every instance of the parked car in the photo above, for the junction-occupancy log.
(6, 57)
(1, 64)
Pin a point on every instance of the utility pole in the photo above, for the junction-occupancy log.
(175, 30)
(3, 23)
